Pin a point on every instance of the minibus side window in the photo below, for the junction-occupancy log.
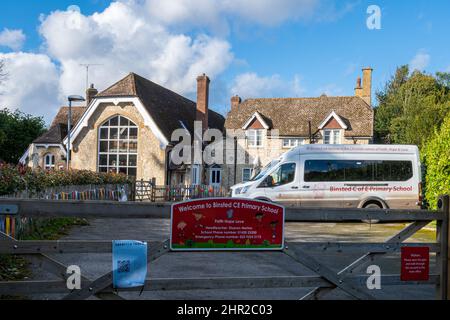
(356, 170)
(283, 175)
(393, 170)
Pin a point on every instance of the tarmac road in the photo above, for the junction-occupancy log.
(204, 264)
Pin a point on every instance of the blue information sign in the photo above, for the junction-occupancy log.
(129, 260)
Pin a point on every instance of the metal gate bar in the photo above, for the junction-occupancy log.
(324, 281)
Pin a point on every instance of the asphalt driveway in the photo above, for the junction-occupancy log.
(204, 264)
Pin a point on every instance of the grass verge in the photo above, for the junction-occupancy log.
(16, 268)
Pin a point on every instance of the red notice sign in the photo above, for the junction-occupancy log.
(415, 264)
(227, 224)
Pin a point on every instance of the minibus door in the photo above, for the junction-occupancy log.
(282, 184)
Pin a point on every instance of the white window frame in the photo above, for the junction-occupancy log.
(49, 161)
(118, 152)
(332, 136)
(250, 175)
(254, 134)
(195, 175)
(213, 176)
(292, 142)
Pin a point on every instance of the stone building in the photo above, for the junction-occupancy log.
(273, 126)
(48, 151)
(127, 128)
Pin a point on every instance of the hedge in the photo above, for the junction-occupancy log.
(436, 157)
(19, 178)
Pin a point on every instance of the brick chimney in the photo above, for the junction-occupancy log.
(235, 101)
(367, 85)
(91, 92)
(358, 88)
(202, 100)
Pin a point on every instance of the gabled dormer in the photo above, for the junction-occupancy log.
(255, 129)
(333, 128)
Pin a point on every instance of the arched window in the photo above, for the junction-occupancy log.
(49, 161)
(118, 146)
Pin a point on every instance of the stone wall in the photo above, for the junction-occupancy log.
(151, 157)
(36, 158)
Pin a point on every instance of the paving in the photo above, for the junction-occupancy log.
(242, 264)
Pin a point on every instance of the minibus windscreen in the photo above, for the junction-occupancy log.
(264, 170)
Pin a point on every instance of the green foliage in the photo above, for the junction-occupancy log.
(50, 229)
(436, 156)
(18, 178)
(17, 131)
(411, 107)
(13, 268)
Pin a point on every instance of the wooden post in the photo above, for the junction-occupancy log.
(133, 190)
(447, 252)
(442, 238)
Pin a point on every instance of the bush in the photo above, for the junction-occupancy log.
(19, 178)
(436, 157)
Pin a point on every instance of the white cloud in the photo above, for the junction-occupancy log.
(13, 39)
(251, 85)
(31, 84)
(169, 42)
(122, 39)
(217, 14)
(420, 61)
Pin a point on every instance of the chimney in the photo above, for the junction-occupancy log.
(367, 85)
(91, 92)
(235, 101)
(358, 88)
(202, 100)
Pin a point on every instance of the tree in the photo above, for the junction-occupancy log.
(436, 157)
(386, 111)
(411, 107)
(17, 131)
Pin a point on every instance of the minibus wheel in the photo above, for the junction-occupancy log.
(372, 205)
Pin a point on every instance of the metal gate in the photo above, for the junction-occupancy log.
(323, 282)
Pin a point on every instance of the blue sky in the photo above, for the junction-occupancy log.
(255, 49)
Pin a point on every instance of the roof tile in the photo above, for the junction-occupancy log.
(291, 115)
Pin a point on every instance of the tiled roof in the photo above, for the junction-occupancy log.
(58, 129)
(291, 115)
(166, 107)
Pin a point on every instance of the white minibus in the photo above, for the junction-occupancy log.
(359, 176)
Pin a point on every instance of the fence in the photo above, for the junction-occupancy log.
(15, 226)
(147, 191)
(109, 192)
(323, 282)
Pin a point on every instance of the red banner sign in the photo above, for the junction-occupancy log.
(415, 264)
(227, 224)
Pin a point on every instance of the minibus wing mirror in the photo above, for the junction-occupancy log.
(267, 182)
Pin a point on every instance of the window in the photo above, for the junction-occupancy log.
(331, 136)
(267, 168)
(254, 137)
(49, 161)
(195, 175)
(355, 170)
(283, 175)
(292, 142)
(215, 176)
(118, 146)
(247, 174)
